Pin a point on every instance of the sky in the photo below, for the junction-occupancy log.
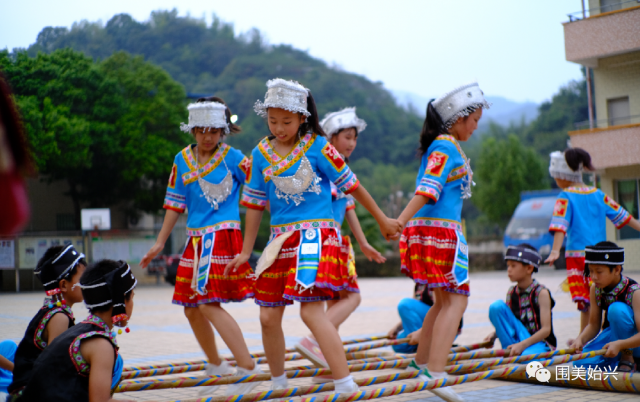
(514, 49)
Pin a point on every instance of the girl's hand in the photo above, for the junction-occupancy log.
(490, 338)
(575, 344)
(553, 256)
(372, 254)
(516, 349)
(391, 229)
(151, 254)
(393, 333)
(414, 337)
(242, 258)
(613, 348)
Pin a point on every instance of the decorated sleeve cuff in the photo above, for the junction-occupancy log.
(347, 182)
(621, 219)
(174, 202)
(429, 188)
(351, 205)
(558, 225)
(254, 199)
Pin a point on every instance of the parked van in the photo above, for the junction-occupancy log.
(530, 223)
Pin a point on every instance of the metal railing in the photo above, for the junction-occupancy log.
(608, 123)
(579, 15)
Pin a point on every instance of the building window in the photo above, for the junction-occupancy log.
(628, 198)
(65, 222)
(618, 111)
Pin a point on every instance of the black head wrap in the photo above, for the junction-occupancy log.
(111, 289)
(604, 253)
(525, 255)
(57, 268)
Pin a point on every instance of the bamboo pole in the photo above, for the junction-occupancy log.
(384, 392)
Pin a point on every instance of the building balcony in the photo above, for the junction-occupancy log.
(610, 145)
(604, 34)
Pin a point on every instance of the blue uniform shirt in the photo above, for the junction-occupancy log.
(184, 192)
(440, 177)
(316, 210)
(580, 213)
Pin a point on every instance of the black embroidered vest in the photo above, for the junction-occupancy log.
(622, 292)
(32, 345)
(526, 307)
(61, 374)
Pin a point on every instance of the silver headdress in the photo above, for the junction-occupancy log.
(283, 94)
(559, 169)
(460, 102)
(206, 114)
(345, 118)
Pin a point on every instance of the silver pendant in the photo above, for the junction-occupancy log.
(292, 187)
(467, 181)
(216, 193)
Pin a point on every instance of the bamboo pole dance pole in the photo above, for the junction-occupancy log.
(481, 345)
(383, 392)
(619, 382)
(183, 382)
(477, 365)
(254, 355)
(199, 367)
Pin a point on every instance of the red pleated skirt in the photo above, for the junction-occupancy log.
(220, 289)
(347, 259)
(427, 254)
(276, 286)
(578, 284)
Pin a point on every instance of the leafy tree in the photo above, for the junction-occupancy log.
(506, 167)
(93, 124)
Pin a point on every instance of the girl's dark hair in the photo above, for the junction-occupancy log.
(96, 271)
(16, 136)
(346, 128)
(432, 127)
(576, 156)
(233, 128)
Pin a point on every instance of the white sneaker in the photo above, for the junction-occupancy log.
(276, 387)
(354, 388)
(244, 388)
(223, 369)
(322, 379)
(448, 394)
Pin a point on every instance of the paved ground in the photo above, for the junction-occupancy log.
(160, 333)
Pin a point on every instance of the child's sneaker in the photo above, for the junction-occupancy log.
(223, 369)
(310, 350)
(244, 387)
(446, 393)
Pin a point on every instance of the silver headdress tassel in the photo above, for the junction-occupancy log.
(345, 118)
(559, 169)
(208, 115)
(283, 94)
(460, 102)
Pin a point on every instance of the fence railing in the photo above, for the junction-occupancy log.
(579, 15)
(608, 123)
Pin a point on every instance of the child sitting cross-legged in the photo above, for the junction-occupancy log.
(523, 324)
(616, 295)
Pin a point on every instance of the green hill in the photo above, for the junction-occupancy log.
(214, 60)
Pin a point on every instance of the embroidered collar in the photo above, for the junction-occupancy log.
(95, 320)
(452, 139)
(528, 290)
(580, 189)
(196, 171)
(615, 292)
(279, 164)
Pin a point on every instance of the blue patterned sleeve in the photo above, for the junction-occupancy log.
(254, 194)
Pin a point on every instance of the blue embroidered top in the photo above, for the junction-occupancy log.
(184, 191)
(440, 177)
(341, 203)
(315, 210)
(580, 214)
